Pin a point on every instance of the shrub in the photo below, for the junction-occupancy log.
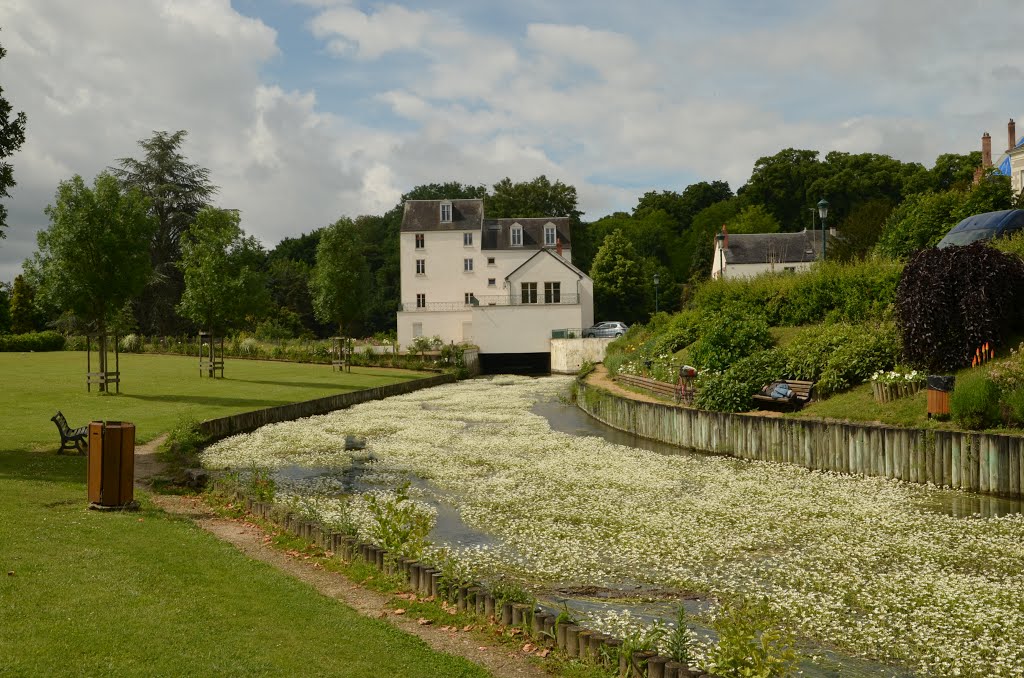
(725, 337)
(678, 333)
(851, 292)
(752, 643)
(953, 300)
(131, 343)
(32, 341)
(1011, 245)
(731, 390)
(974, 403)
(1013, 407)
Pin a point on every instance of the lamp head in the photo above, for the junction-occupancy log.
(823, 208)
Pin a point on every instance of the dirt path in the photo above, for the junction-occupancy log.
(147, 464)
(600, 378)
(249, 539)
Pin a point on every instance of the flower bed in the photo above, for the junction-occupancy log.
(895, 384)
(857, 563)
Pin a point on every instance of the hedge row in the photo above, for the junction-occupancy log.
(32, 341)
(832, 291)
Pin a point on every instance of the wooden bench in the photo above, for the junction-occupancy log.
(70, 438)
(802, 393)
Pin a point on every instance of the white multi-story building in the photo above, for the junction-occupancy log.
(502, 284)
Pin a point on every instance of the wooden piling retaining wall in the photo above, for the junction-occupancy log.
(250, 421)
(976, 462)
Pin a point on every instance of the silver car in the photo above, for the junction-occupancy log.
(610, 328)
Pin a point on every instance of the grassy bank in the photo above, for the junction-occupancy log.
(155, 391)
(142, 594)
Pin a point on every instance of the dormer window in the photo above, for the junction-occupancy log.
(549, 235)
(446, 213)
(516, 236)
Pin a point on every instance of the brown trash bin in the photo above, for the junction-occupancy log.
(111, 466)
(939, 388)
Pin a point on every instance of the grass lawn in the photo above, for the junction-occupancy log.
(147, 593)
(155, 391)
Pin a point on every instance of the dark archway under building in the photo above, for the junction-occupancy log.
(515, 363)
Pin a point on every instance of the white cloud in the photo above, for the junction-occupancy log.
(614, 100)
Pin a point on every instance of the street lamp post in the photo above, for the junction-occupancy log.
(656, 281)
(823, 213)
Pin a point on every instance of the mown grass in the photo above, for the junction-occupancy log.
(858, 404)
(155, 391)
(147, 593)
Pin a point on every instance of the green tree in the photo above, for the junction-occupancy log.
(924, 218)
(302, 248)
(919, 221)
(288, 281)
(620, 286)
(683, 207)
(177, 191)
(954, 170)
(850, 179)
(700, 241)
(224, 283)
(5, 308)
(341, 279)
(754, 219)
(94, 256)
(860, 230)
(24, 316)
(536, 198)
(12, 136)
(782, 183)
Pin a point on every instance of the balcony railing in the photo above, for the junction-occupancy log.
(491, 300)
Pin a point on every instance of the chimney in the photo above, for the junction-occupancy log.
(986, 150)
(558, 246)
(1011, 133)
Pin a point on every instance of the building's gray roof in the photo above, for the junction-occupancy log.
(425, 215)
(496, 232)
(779, 248)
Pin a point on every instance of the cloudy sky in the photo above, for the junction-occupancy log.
(307, 110)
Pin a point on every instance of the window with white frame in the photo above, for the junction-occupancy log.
(467, 239)
(490, 261)
(549, 235)
(419, 241)
(446, 213)
(552, 293)
(516, 236)
(421, 301)
(421, 266)
(417, 329)
(529, 290)
(467, 265)
(470, 299)
(491, 282)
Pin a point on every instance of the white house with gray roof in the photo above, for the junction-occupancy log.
(502, 284)
(745, 255)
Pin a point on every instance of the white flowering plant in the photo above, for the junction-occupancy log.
(899, 375)
(868, 566)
